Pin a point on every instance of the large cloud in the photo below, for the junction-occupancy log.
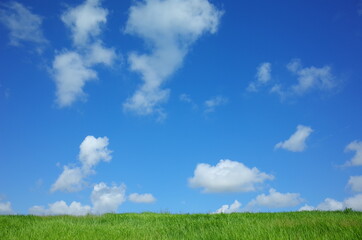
(357, 158)
(234, 207)
(5, 208)
(355, 183)
(296, 142)
(275, 200)
(169, 27)
(24, 26)
(61, 208)
(107, 199)
(92, 151)
(227, 176)
(73, 69)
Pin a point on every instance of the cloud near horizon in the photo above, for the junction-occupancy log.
(5, 208)
(296, 142)
(227, 176)
(234, 207)
(169, 28)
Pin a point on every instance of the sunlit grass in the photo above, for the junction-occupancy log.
(291, 225)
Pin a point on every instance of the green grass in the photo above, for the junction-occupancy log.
(292, 225)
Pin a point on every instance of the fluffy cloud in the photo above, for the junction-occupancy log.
(354, 202)
(141, 198)
(107, 199)
(330, 204)
(234, 207)
(296, 142)
(169, 27)
(92, 151)
(306, 208)
(5, 208)
(24, 26)
(357, 158)
(262, 76)
(61, 208)
(72, 69)
(227, 176)
(214, 102)
(276, 200)
(355, 183)
(85, 21)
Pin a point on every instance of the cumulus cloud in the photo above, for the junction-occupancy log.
(296, 142)
(227, 176)
(330, 204)
(355, 183)
(61, 208)
(214, 102)
(234, 207)
(276, 200)
(357, 158)
(169, 27)
(307, 208)
(92, 151)
(262, 76)
(107, 199)
(354, 202)
(24, 26)
(5, 208)
(141, 198)
(72, 69)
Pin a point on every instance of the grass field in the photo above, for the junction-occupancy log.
(292, 225)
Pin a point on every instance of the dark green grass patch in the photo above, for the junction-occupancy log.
(291, 225)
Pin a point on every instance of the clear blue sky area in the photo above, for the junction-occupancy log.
(184, 106)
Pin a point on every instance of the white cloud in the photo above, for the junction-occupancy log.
(85, 21)
(262, 76)
(307, 208)
(234, 207)
(357, 158)
(355, 183)
(311, 77)
(227, 176)
(141, 198)
(107, 199)
(214, 102)
(70, 180)
(354, 202)
(169, 28)
(5, 208)
(330, 204)
(296, 142)
(72, 69)
(61, 208)
(92, 151)
(70, 75)
(276, 200)
(24, 26)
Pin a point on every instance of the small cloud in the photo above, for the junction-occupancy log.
(24, 26)
(107, 199)
(92, 151)
(211, 104)
(141, 198)
(262, 76)
(296, 142)
(170, 28)
(307, 208)
(355, 183)
(234, 207)
(227, 176)
(5, 208)
(276, 200)
(357, 158)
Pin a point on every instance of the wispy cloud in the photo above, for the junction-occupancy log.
(92, 151)
(262, 77)
(296, 142)
(141, 198)
(169, 28)
(212, 103)
(227, 176)
(24, 26)
(356, 160)
(355, 183)
(72, 69)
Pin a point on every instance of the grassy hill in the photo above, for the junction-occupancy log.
(290, 225)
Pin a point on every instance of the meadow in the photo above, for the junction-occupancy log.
(288, 225)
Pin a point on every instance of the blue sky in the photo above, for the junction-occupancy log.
(182, 106)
